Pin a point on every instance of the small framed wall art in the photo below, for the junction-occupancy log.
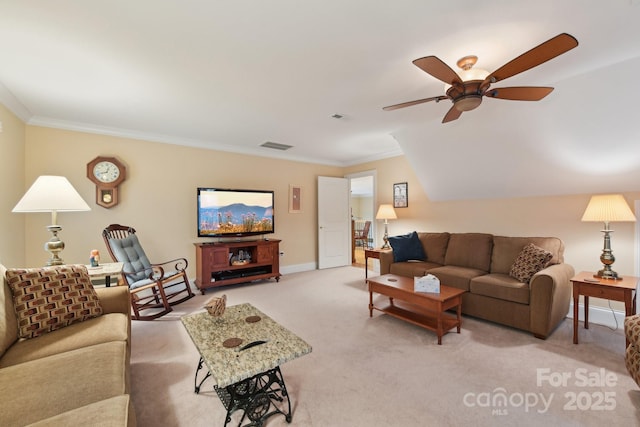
(295, 198)
(400, 195)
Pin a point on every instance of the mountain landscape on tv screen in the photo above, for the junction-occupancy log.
(236, 218)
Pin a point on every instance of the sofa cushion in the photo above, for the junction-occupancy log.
(407, 247)
(8, 321)
(32, 391)
(507, 249)
(435, 246)
(472, 250)
(50, 298)
(501, 286)
(531, 260)
(105, 328)
(412, 268)
(116, 411)
(456, 277)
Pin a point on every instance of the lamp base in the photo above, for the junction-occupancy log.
(54, 246)
(607, 273)
(385, 238)
(606, 258)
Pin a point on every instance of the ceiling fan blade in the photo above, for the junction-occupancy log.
(416, 102)
(438, 69)
(538, 55)
(452, 114)
(522, 93)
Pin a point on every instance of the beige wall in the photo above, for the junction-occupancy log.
(12, 164)
(158, 197)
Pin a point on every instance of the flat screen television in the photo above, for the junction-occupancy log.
(234, 213)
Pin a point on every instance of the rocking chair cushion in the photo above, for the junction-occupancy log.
(50, 298)
(129, 251)
(146, 280)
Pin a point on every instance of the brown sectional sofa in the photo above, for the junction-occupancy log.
(480, 264)
(76, 375)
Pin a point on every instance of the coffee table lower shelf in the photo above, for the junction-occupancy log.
(423, 319)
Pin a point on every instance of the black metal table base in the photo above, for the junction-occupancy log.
(259, 397)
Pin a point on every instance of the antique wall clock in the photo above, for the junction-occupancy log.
(107, 173)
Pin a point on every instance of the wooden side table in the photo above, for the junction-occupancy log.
(371, 253)
(587, 285)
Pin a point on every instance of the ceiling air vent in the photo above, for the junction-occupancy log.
(276, 146)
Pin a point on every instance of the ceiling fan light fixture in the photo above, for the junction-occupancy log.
(468, 103)
(468, 75)
(467, 87)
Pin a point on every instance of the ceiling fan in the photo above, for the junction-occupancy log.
(467, 89)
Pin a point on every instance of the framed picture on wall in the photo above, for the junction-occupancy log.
(400, 195)
(295, 199)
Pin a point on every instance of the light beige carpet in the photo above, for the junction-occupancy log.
(381, 371)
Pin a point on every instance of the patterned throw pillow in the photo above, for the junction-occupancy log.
(531, 260)
(50, 298)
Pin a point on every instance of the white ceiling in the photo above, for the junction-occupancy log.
(230, 75)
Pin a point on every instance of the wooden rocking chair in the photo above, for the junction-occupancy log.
(152, 286)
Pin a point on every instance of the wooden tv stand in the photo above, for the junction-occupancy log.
(214, 262)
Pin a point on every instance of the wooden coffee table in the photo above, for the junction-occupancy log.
(423, 309)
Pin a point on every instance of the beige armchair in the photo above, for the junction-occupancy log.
(632, 355)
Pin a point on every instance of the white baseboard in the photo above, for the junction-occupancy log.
(298, 268)
(599, 315)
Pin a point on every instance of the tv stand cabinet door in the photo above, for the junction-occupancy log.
(209, 259)
(267, 253)
(218, 257)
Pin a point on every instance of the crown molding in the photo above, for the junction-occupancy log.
(13, 104)
(187, 142)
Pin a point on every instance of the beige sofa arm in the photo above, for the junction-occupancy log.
(550, 297)
(386, 259)
(114, 299)
(632, 354)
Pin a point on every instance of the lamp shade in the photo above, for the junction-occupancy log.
(608, 208)
(386, 212)
(51, 194)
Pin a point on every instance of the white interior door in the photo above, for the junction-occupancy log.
(334, 228)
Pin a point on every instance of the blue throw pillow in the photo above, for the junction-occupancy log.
(407, 247)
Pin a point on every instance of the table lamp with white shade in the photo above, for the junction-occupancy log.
(52, 194)
(608, 208)
(386, 212)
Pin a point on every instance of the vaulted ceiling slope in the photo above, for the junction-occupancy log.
(231, 75)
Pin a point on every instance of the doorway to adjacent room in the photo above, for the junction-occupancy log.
(362, 211)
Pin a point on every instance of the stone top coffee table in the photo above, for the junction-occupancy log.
(243, 350)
